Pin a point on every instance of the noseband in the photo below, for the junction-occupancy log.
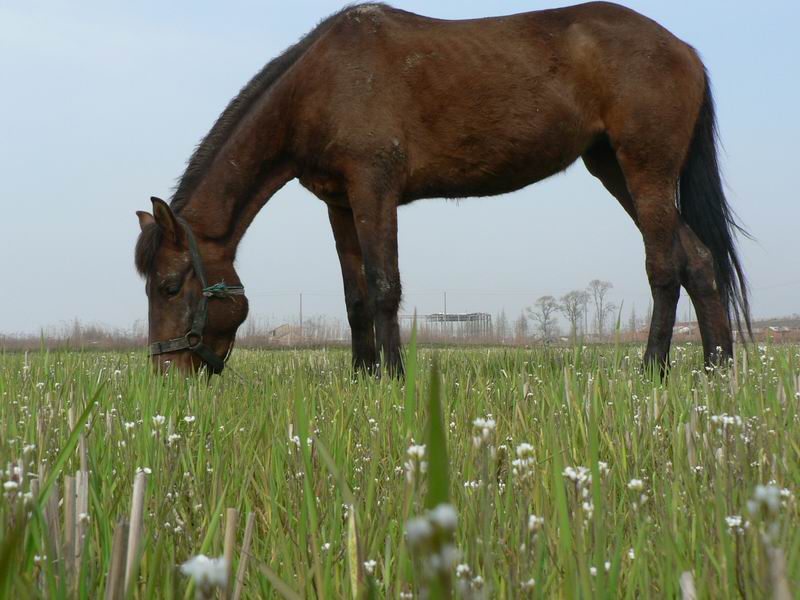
(193, 340)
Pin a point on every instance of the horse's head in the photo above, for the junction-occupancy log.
(196, 302)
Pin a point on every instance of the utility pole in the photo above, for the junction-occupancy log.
(301, 316)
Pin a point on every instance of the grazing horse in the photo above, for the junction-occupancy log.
(377, 107)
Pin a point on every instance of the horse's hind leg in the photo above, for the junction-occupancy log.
(657, 218)
(699, 279)
(694, 262)
(356, 297)
(649, 199)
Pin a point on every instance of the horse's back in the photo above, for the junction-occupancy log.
(487, 105)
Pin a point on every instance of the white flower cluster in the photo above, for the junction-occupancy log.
(207, 573)
(736, 524)
(485, 429)
(582, 478)
(415, 465)
(724, 421)
(522, 466)
(296, 441)
(535, 523)
(767, 499)
(468, 586)
(369, 567)
(431, 538)
(637, 485)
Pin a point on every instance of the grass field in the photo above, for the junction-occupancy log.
(547, 472)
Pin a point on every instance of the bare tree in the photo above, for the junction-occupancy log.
(521, 328)
(501, 326)
(602, 308)
(572, 306)
(633, 322)
(543, 314)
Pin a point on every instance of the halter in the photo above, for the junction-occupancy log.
(193, 340)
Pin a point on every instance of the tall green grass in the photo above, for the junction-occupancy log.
(321, 459)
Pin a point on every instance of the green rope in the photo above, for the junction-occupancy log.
(223, 290)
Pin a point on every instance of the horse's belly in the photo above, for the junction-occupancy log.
(487, 167)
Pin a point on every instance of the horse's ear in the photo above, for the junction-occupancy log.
(145, 218)
(165, 218)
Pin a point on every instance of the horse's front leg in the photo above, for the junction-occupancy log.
(376, 224)
(356, 297)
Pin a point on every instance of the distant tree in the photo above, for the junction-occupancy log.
(543, 313)
(572, 306)
(501, 326)
(521, 328)
(586, 299)
(602, 308)
(648, 318)
(633, 322)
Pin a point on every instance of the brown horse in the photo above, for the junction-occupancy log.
(377, 107)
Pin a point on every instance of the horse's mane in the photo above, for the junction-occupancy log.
(208, 148)
(234, 113)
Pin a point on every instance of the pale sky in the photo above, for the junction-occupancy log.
(103, 102)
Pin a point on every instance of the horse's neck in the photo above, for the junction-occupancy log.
(246, 171)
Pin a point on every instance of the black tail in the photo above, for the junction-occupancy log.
(702, 203)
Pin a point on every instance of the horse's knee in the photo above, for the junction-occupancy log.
(699, 272)
(385, 293)
(359, 314)
(663, 270)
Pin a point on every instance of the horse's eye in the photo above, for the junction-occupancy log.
(171, 288)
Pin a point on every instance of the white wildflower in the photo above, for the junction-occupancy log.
(725, 420)
(445, 517)
(416, 451)
(485, 427)
(765, 497)
(535, 523)
(207, 573)
(523, 465)
(415, 464)
(529, 584)
(463, 571)
(418, 531)
(369, 567)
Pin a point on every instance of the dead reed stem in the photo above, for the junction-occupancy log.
(115, 589)
(135, 527)
(244, 555)
(231, 520)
